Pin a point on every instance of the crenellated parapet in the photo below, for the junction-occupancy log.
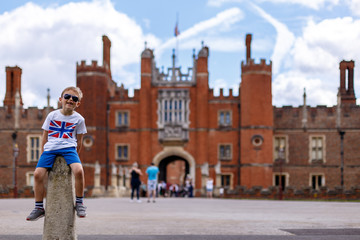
(250, 67)
(173, 76)
(319, 117)
(122, 94)
(229, 97)
(30, 118)
(90, 69)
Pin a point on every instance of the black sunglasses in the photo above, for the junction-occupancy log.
(68, 96)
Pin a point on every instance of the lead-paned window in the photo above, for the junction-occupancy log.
(33, 148)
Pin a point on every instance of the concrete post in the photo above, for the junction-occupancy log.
(60, 198)
(204, 177)
(98, 190)
(113, 190)
(217, 189)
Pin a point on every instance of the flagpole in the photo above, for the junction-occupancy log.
(177, 40)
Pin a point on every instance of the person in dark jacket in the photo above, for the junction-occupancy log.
(135, 182)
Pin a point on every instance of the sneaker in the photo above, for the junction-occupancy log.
(138, 201)
(36, 214)
(153, 201)
(80, 210)
(131, 200)
(148, 200)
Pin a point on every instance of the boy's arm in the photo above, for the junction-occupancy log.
(79, 142)
(44, 139)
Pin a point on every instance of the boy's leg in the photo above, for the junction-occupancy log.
(78, 172)
(39, 191)
(39, 187)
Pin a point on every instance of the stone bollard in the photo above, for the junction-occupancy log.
(59, 221)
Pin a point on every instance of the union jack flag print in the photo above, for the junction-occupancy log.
(61, 129)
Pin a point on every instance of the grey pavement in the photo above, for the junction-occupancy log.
(195, 218)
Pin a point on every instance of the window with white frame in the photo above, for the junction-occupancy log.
(317, 180)
(280, 148)
(173, 107)
(224, 118)
(122, 118)
(225, 152)
(30, 179)
(122, 152)
(33, 148)
(317, 148)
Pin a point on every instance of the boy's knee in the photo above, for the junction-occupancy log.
(39, 174)
(78, 171)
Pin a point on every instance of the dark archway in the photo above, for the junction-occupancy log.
(166, 161)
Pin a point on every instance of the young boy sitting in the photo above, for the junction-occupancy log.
(62, 136)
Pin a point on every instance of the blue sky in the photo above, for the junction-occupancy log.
(304, 39)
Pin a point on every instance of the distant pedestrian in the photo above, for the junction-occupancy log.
(162, 188)
(191, 189)
(174, 190)
(209, 187)
(135, 182)
(187, 187)
(152, 173)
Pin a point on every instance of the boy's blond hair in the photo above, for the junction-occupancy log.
(76, 89)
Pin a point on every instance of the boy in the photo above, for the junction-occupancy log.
(60, 137)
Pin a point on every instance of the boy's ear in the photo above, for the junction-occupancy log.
(78, 103)
(59, 99)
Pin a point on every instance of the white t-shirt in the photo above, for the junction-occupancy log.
(63, 130)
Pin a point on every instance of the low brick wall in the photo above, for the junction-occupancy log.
(242, 192)
(8, 192)
(291, 193)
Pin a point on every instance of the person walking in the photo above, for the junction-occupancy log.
(135, 182)
(152, 172)
(209, 187)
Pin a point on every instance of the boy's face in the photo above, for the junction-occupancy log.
(70, 100)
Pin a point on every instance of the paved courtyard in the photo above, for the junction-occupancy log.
(195, 218)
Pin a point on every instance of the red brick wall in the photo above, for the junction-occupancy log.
(256, 120)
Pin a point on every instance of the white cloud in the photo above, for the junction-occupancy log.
(324, 44)
(222, 44)
(46, 42)
(284, 39)
(315, 58)
(218, 3)
(354, 6)
(222, 22)
(146, 22)
(288, 88)
(314, 4)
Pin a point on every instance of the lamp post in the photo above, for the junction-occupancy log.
(15, 154)
(280, 162)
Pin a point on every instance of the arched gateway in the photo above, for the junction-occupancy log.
(170, 154)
